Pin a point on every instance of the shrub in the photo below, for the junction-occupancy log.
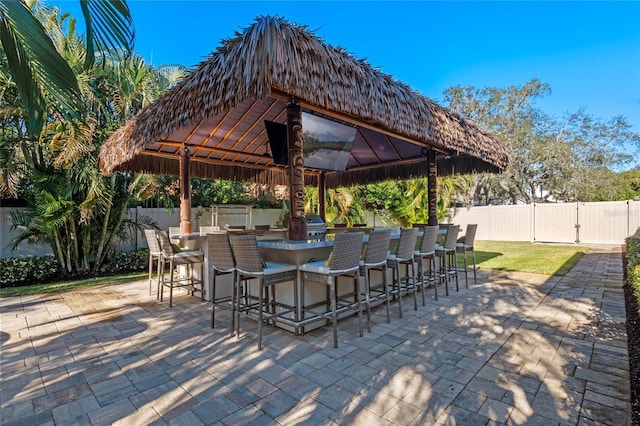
(127, 261)
(19, 271)
(633, 265)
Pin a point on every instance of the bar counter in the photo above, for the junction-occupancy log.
(295, 252)
(295, 295)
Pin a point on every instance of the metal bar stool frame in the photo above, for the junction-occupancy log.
(427, 251)
(448, 265)
(222, 262)
(404, 256)
(182, 258)
(155, 253)
(465, 244)
(375, 258)
(344, 261)
(249, 265)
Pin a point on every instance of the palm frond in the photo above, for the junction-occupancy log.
(22, 221)
(169, 75)
(69, 141)
(10, 171)
(108, 26)
(35, 64)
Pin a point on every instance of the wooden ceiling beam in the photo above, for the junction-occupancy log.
(235, 126)
(393, 147)
(211, 149)
(211, 161)
(390, 163)
(265, 167)
(255, 123)
(215, 128)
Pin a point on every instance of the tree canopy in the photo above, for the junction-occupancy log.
(53, 165)
(552, 159)
(41, 74)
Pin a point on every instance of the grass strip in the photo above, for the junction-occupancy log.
(66, 285)
(537, 258)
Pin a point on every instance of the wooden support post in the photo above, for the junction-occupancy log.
(185, 192)
(298, 223)
(432, 187)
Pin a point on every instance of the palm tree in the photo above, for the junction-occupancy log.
(71, 205)
(342, 205)
(407, 201)
(41, 74)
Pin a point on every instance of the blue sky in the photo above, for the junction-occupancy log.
(588, 52)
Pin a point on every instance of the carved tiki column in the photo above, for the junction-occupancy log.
(297, 224)
(432, 192)
(185, 192)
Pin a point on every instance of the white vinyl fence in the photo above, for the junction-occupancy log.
(608, 222)
(7, 235)
(586, 223)
(164, 218)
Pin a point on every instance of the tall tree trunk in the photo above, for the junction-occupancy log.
(73, 236)
(105, 225)
(86, 247)
(67, 251)
(121, 215)
(57, 249)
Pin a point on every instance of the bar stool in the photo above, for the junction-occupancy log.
(222, 263)
(375, 258)
(404, 256)
(447, 257)
(249, 265)
(427, 251)
(154, 254)
(187, 258)
(344, 261)
(465, 244)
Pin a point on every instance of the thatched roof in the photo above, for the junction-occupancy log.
(219, 109)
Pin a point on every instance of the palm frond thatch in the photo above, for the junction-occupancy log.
(219, 107)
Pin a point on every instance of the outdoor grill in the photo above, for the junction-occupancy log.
(316, 228)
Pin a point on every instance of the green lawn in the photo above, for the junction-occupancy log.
(548, 259)
(66, 285)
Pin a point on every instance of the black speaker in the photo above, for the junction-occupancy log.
(277, 134)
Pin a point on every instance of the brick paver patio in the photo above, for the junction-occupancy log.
(512, 349)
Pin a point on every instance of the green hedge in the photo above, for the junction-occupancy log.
(21, 271)
(633, 266)
(127, 261)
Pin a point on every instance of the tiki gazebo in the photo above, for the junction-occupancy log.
(212, 124)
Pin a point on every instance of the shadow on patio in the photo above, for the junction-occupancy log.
(516, 348)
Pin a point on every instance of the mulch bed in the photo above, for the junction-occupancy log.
(633, 335)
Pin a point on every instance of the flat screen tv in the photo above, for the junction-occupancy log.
(327, 144)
